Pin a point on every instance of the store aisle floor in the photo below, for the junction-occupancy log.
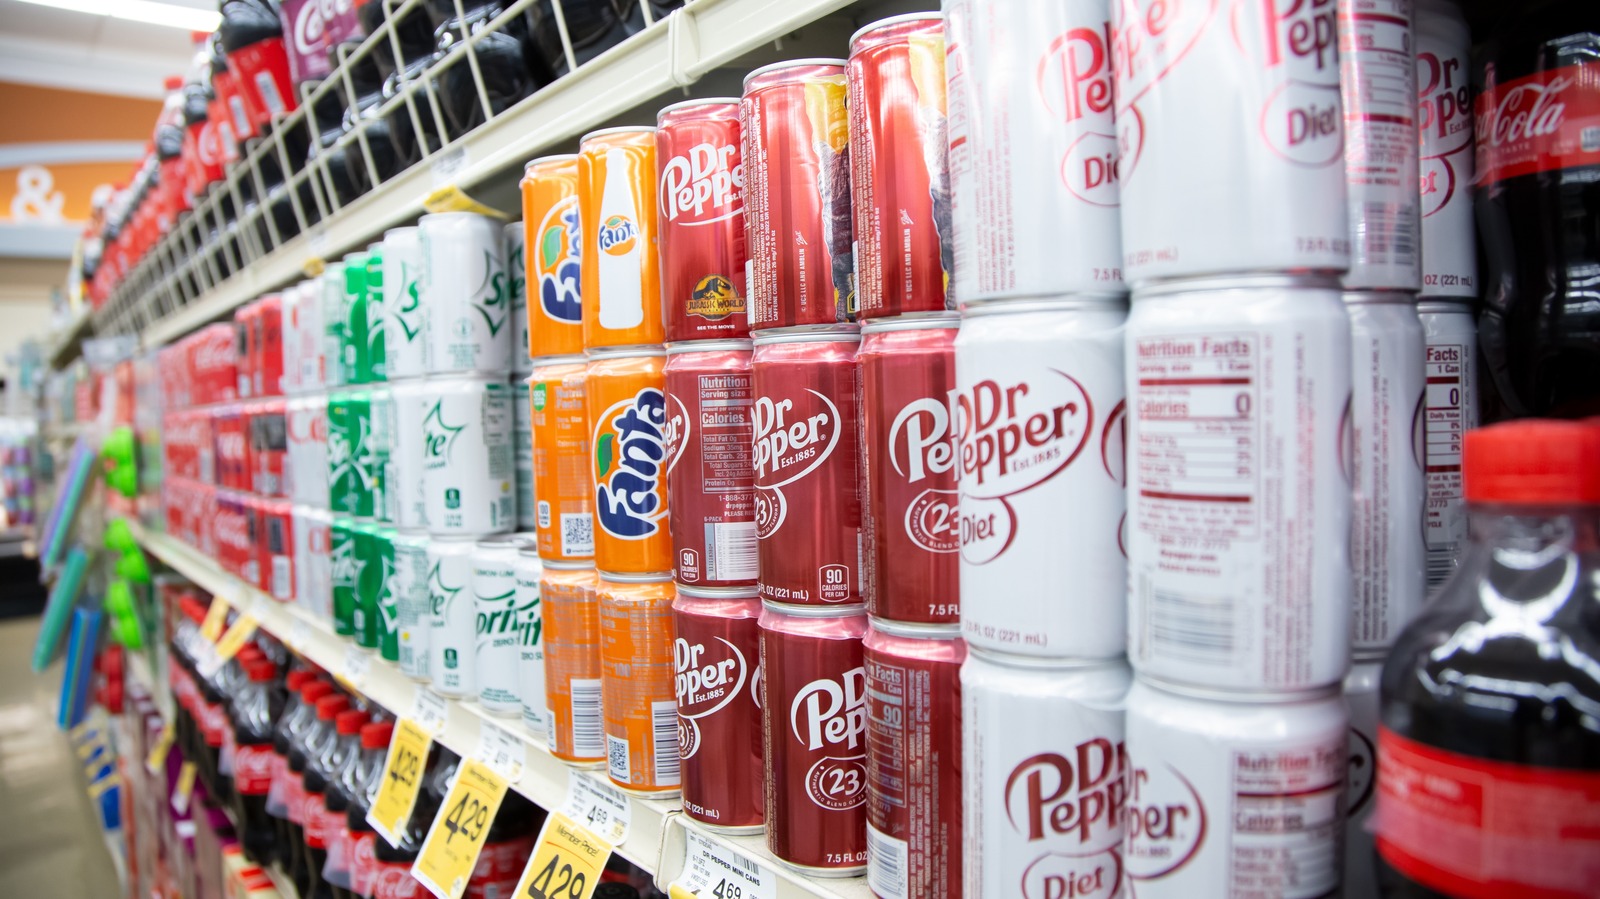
(50, 840)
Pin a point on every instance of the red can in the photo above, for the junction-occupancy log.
(214, 364)
(701, 214)
(230, 428)
(814, 718)
(796, 136)
(231, 524)
(266, 341)
(269, 447)
(912, 527)
(719, 718)
(898, 176)
(808, 508)
(709, 473)
(914, 760)
(275, 539)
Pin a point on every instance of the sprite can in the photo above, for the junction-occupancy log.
(350, 466)
(342, 552)
(468, 475)
(517, 286)
(377, 317)
(380, 450)
(468, 327)
(375, 600)
(522, 451)
(353, 344)
(331, 286)
(402, 310)
(412, 626)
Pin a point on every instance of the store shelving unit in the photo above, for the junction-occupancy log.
(67, 343)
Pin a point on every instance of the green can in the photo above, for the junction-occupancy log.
(381, 451)
(351, 478)
(331, 284)
(377, 352)
(342, 555)
(353, 349)
(375, 594)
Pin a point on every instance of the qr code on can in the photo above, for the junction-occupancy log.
(577, 534)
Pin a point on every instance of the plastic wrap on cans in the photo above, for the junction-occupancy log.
(466, 298)
(624, 392)
(1239, 483)
(350, 474)
(1387, 548)
(636, 684)
(1043, 777)
(530, 643)
(332, 307)
(312, 571)
(276, 540)
(715, 656)
(377, 356)
(911, 529)
(354, 358)
(522, 452)
(467, 460)
(413, 626)
(452, 619)
(621, 266)
(498, 616)
(515, 237)
(554, 268)
(808, 504)
(408, 403)
(709, 473)
(380, 457)
(1450, 336)
(342, 574)
(1232, 794)
(702, 233)
(404, 350)
(899, 182)
(814, 726)
(1041, 431)
(563, 489)
(1360, 857)
(269, 447)
(572, 664)
(1444, 134)
(1231, 137)
(796, 134)
(308, 450)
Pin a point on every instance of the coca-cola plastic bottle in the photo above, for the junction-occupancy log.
(359, 784)
(391, 863)
(255, 711)
(327, 773)
(320, 737)
(252, 36)
(294, 708)
(510, 839)
(1489, 740)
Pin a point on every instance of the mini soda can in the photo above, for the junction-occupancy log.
(307, 423)
(353, 345)
(709, 472)
(313, 569)
(374, 559)
(572, 663)
(413, 626)
(267, 341)
(388, 597)
(350, 473)
(702, 234)
(562, 491)
(343, 571)
(515, 238)
(380, 458)
(1450, 338)
(1360, 855)
(522, 451)
(715, 655)
(452, 618)
(408, 404)
(402, 303)
(466, 297)
(310, 334)
(624, 393)
(498, 614)
(377, 358)
(334, 324)
(554, 266)
(621, 268)
(637, 684)
(530, 646)
(276, 536)
(269, 447)
(1445, 149)
(289, 358)
(468, 470)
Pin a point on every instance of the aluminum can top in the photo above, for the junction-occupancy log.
(639, 351)
(729, 593)
(548, 361)
(759, 75)
(1464, 305)
(517, 542)
(617, 129)
(914, 321)
(847, 610)
(1380, 296)
(402, 231)
(710, 346)
(837, 333)
(555, 566)
(621, 577)
(887, 29)
(442, 217)
(1241, 281)
(693, 102)
(557, 157)
(1237, 697)
(917, 631)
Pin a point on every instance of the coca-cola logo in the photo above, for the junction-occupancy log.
(1165, 823)
(214, 354)
(708, 677)
(831, 713)
(630, 447)
(312, 21)
(703, 185)
(309, 425)
(922, 446)
(232, 530)
(1528, 111)
(792, 438)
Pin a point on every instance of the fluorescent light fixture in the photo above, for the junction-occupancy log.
(149, 11)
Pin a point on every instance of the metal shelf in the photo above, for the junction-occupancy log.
(67, 343)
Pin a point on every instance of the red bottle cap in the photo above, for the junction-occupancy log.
(173, 82)
(298, 679)
(315, 690)
(377, 735)
(351, 722)
(329, 707)
(1533, 462)
(261, 671)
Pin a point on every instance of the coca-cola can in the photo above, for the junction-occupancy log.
(710, 477)
(796, 136)
(269, 447)
(911, 532)
(913, 760)
(814, 727)
(1239, 491)
(1361, 694)
(1450, 347)
(1377, 81)
(266, 342)
(1215, 104)
(313, 571)
(307, 470)
(1234, 794)
(1042, 774)
(701, 208)
(275, 540)
(808, 508)
(716, 652)
(1444, 134)
(1040, 436)
(899, 182)
(289, 357)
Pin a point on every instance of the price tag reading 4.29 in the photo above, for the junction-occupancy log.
(402, 780)
(567, 862)
(456, 838)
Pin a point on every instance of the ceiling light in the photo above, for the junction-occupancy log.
(149, 11)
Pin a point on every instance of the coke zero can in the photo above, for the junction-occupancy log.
(1450, 339)
(636, 683)
(562, 492)
(703, 255)
(1444, 133)
(572, 663)
(715, 655)
(709, 472)
(624, 391)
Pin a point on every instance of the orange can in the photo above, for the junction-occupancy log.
(626, 395)
(554, 240)
(572, 663)
(621, 269)
(562, 489)
(637, 684)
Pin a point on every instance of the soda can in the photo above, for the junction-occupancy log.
(467, 470)
(354, 343)
(343, 572)
(1445, 147)
(289, 359)
(402, 305)
(374, 560)
(334, 325)
(572, 664)
(530, 646)
(911, 532)
(914, 760)
(554, 267)
(637, 678)
(380, 458)
(244, 337)
(1248, 97)
(515, 239)
(313, 564)
(899, 179)
(709, 473)
(276, 536)
(408, 406)
(499, 632)
(232, 430)
(621, 268)
(795, 131)
(267, 343)
(1360, 855)
(1238, 553)
(624, 392)
(1387, 540)
(377, 358)
(269, 447)
(1041, 430)
(716, 651)
(1033, 151)
(1042, 776)
(814, 726)
(522, 451)
(466, 300)
(562, 490)
(1378, 86)
(350, 473)
(412, 625)
(309, 332)
(307, 426)
(1231, 794)
(1450, 338)
(701, 231)
(452, 618)
(808, 504)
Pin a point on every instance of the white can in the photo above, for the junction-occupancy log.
(1387, 553)
(331, 290)
(466, 300)
(522, 451)
(307, 421)
(313, 568)
(1231, 137)
(308, 335)
(413, 624)
(1444, 133)
(1235, 795)
(408, 460)
(452, 619)
(1450, 338)
(289, 339)
(1361, 694)
(517, 285)
(403, 343)
(1042, 773)
(381, 445)
(1033, 150)
(1040, 436)
(1239, 491)
(499, 633)
(530, 658)
(467, 470)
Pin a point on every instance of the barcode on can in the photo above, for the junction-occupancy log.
(577, 534)
(731, 551)
(886, 865)
(1197, 628)
(586, 726)
(664, 734)
(617, 759)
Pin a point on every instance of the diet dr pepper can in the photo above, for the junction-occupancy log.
(563, 495)
(1444, 134)
(716, 651)
(466, 299)
(621, 266)
(1450, 337)
(625, 395)
(637, 678)
(701, 206)
(467, 466)
(554, 272)
(709, 472)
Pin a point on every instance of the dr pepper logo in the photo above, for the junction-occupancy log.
(708, 677)
(922, 451)
(829, 716)
(1075, 804)
(630, 454)
(703, 185)
(1074, 83)
(1166, 822)
(792, 438)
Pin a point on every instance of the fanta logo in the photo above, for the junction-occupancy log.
(1082, 797)
(440, 595)
(559, 266)
(703, 185)
(1074, 77)
(708, 676)
(630, 447)
(1165, 824)
(439, 437)
(831, 712)
(790, 443)
(497, 621)
(618, 236)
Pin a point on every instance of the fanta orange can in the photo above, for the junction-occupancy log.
(555, 275)
(572, 663)
(638, 684)
(626, 394)
(621, 271)
(563, 493)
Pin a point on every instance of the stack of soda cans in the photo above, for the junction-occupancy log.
(305, 381)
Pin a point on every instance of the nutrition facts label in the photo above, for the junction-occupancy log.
(1287, 810)
(1447, 407)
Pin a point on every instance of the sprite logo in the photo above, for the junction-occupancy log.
(500, 620)
(409, 320)
(438, 437)
(440, 595)
(531, 623)
(344, 562)
(496, 295)
(516, 279)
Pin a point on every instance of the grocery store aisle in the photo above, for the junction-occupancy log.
(50, 839)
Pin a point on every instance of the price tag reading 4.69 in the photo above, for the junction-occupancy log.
(713, 871)
(402, 780)
(451, 850)
(567, 862)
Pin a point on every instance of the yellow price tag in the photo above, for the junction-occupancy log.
(185, 790)
(243, 628)
(566, 864)
(216, 617)
(451, 850)
(157, 758)
(402, 780)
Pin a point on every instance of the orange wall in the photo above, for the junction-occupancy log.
(32, 114)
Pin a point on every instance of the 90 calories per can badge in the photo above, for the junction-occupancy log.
(709, 473)
(703, 249)
(624, 392)
(716, 654)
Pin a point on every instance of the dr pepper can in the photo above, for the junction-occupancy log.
(701, 209)
(716, 653)
(709, 472)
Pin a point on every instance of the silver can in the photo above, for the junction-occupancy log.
(515, 239)
(313, 569)
(413, 624)
(1361, 694)
(452, 619)
(382, 446)
(408, 460)
(307, 424)
(1235, 795)
(466, 300)
(1444, 132)
(332, 307)
(1450, 337)
(1040, 434)
(530, 657)
(499, 634)
(522, 452)
(1042, 773)
(467, 470)
(402, 303)
(309, 335)
(1033, 150)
